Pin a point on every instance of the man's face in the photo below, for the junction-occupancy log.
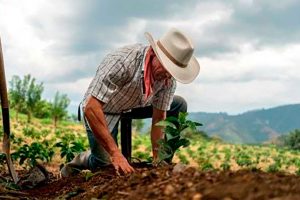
(158, 71)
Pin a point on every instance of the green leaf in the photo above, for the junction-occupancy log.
(165, 124)
(59, 144)
(198, 124)
(182, 117)
(174, 137)
(172, 119)
(171, 133)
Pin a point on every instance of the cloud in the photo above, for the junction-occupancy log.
(263, 23)
(248, 49)
(246, 80)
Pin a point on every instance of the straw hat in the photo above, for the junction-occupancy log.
(175, 52)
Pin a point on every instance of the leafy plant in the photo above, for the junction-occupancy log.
(205, 166)
(227, 154)
(34, 152)
(69, 149)
(142, 155)
(31, 132)
(174, 129)
(183, 159)
(16, 140)
(243, 159)
(225, 166)
(275, 167)
(136, 143)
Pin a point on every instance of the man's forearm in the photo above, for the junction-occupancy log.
(156, 131)
(98, 124)
(156, 135)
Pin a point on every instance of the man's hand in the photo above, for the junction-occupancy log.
(95, 116)
(120, 163)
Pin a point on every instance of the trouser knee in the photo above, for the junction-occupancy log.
(178, 105)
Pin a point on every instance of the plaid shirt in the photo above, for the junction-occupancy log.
(119, 84)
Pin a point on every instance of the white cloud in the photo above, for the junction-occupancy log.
(250, 79)
(62, 42)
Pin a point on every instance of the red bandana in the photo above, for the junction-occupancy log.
(148, 77)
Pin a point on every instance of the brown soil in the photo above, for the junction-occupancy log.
(168, 182)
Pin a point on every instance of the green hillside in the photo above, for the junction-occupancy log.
(250, 127)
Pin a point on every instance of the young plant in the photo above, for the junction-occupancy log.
(183, 159)
(174, 129)
(225, 165)
(69, 149)
(143, 155)
(243, 159)
(32, 153)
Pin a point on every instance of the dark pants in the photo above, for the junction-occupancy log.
(99, 157)
(178, 105)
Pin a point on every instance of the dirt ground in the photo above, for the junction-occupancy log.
(165, 182)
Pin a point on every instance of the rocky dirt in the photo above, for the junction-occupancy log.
(165, 182)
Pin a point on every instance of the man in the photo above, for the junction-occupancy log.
(135, 81)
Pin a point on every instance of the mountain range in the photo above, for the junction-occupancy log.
(256, 126)
(251, 127)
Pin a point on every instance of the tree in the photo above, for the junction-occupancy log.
(17, 94)
(25, 94)
(33, 95)
(292, 140)
(59, 107)
(42, 109)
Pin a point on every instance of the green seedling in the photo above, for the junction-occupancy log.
(175, 130)
(183, 159)
(225, 166)
(206, 166)
(69, 149)
(243, 159)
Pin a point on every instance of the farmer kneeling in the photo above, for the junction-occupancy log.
(137, 81)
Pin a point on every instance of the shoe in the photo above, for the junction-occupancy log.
(69, 170)
(78, 163)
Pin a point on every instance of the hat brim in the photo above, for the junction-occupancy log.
(182, 74)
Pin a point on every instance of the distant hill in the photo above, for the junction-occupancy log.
(255, 126)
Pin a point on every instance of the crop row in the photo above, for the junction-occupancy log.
(215, 155)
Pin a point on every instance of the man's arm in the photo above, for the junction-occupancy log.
(156, 131)
(95, 116)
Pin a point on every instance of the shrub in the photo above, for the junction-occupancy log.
(292, 140)
(32, 153)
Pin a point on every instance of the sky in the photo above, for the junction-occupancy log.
(248, 50)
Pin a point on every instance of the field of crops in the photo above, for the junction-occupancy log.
(38, 142)
(216, 163)
(210, 154)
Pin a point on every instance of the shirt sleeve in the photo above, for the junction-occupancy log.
(109, 77)
(163, 94)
